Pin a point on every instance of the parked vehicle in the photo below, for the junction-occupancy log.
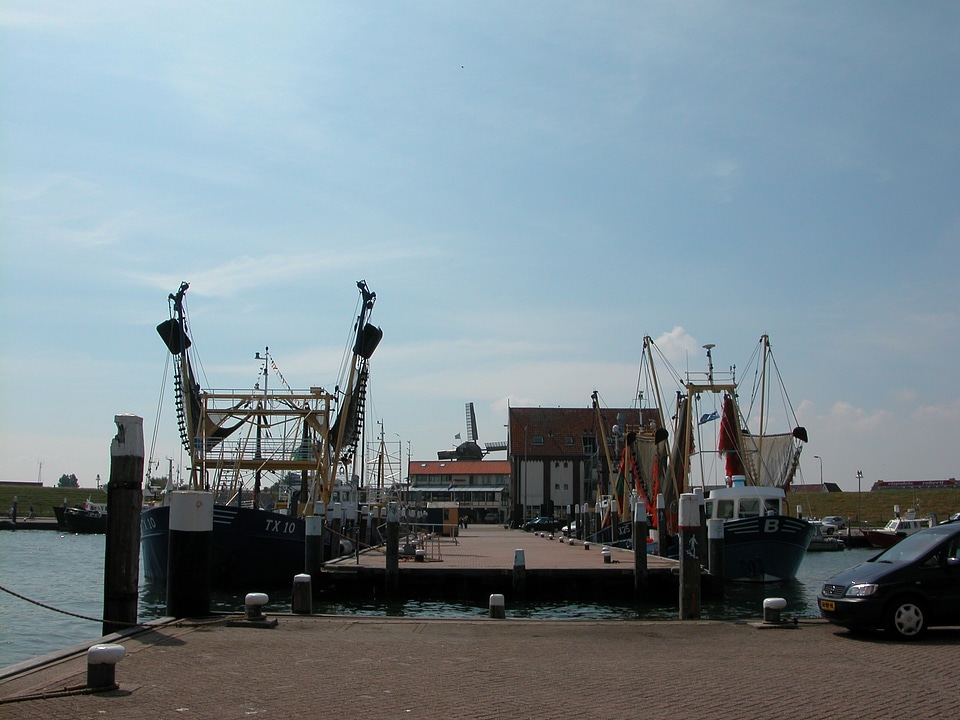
(492, 517)
(544, 523)
(833, 521)
(905, 589)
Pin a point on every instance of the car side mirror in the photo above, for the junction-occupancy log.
(953, 561)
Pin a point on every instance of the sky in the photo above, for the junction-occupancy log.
(530, 189)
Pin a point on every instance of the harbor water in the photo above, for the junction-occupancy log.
(61, 574)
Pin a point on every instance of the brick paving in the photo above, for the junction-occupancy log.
(316, 666)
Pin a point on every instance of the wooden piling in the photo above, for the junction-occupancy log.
(640, 579)
(689, 526)
(190, 553)
(715, 553)
(313, 541)
(121, 568)
(392, 572)
(662, 538)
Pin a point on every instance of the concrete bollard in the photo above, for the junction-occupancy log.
(253, 605)
(772, 608)
(497, 610)
(302, 594)
(101, 665)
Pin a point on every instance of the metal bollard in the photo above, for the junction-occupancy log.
(101, 665)
(772, 608)
(253, 605)
(497, 610)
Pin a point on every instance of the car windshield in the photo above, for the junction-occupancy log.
(915, 546)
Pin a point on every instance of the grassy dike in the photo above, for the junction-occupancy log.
(42, 499)
(876, 507)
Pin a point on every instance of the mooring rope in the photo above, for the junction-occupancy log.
(67, 612)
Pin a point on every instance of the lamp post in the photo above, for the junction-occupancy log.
(859, 478)
(817, 457)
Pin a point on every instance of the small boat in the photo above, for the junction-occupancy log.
(824, 542)
(87, 519)
(895, 530)
(239, 440)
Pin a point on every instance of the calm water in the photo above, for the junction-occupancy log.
(66, 572)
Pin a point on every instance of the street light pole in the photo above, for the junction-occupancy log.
(817, 457)
(859, 478)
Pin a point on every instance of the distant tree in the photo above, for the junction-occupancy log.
(68, 481)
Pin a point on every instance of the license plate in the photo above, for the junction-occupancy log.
(828, 605)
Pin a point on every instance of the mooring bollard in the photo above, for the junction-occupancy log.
(101, 665)
(605, 554)
(663, 539)
(496, 606)
(420, 555)
(302, 594)
(772, 608)
(253, 605)
(586, 545)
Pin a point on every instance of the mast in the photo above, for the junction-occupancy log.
(765, 349)
(350, 417)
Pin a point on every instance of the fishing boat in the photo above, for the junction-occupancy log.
(238, 441)
(87, 519)
(762, 542)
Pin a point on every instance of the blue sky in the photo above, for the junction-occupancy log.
(530, 188)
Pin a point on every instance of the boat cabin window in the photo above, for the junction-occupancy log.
(749, 507)
(772, 506)
(724, 510)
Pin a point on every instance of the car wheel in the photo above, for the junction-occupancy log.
(906, 619)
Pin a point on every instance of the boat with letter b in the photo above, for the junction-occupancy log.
(761, 542)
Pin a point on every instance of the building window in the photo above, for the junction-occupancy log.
(570, 440)
(538, 439)
(589, 445)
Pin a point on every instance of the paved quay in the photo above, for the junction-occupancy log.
(321, 666)
(481, 561)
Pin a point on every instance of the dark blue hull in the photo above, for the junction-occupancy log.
(252, 549)
(764, 549)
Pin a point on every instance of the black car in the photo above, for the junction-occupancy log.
(543, 523)
(905, 589)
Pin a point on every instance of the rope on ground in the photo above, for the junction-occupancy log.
(65, 692)
(66, 612)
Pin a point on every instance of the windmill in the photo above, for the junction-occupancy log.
(470, 449)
